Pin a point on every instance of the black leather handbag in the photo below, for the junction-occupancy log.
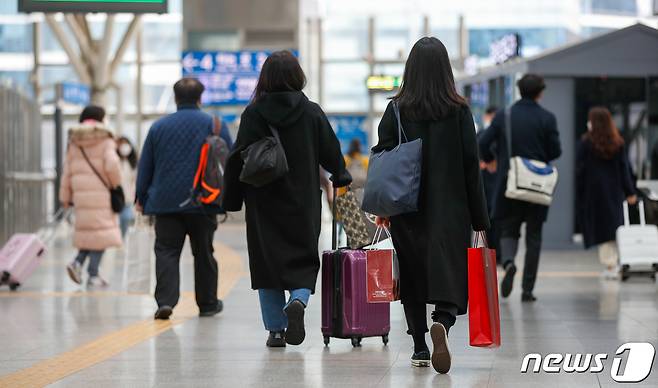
(264, 161)
(117, 197)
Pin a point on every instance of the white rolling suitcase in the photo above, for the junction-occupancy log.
(638, 246)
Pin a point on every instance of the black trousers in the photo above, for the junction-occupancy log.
(170, 233)
(416, 315)
(509, 240)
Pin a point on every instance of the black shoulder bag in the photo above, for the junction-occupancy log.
(264, 161)
(117, 198)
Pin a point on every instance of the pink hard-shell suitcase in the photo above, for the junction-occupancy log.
(346, 312)
(19, 258)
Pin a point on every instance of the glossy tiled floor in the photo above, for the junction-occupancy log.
(50, 323)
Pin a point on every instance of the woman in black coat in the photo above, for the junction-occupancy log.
(283, 217)
(604, 182)
(432, 243)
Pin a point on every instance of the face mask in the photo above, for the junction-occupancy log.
(125, 149)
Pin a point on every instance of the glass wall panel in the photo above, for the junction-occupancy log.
(345, 87)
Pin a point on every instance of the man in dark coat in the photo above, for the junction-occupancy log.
(489, 180)
(534, 136)
(654, 162)
(166, 173)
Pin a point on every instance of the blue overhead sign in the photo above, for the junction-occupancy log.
(348, 128)
(230, 77)
(74, 93)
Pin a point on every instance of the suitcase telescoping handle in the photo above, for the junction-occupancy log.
(334, 225)
(627, 218)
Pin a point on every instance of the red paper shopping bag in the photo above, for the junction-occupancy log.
(383, 280)
(483, 313)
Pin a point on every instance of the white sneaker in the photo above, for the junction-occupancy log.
(75, 272)
(97, 281)
(610, 274)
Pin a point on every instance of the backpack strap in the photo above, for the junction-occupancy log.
(203, 162)
(200, 174)
(216, 125)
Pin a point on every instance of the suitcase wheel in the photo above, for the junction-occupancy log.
(385, 339)
(625, 272)
(356, 342)
(14, 286)
(327, 339)
(4, 278)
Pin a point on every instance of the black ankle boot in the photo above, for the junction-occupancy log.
(508, 280)
(528, 297)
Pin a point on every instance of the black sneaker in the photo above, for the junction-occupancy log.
(528, 297)
(508, 281)
(276, 339)
(163, 312)
(421, 359)
(441, 358)
(295, 334)
(218, 309)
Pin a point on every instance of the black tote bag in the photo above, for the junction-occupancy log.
(393, 182)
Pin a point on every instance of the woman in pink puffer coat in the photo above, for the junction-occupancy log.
(96, 225)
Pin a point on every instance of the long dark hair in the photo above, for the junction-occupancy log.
(132, 157)
(604, 135)
(281, 72)
(428, 87)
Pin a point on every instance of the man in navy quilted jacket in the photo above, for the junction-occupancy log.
(166, 173)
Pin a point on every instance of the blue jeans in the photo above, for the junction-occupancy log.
(126, 217)
(273, 302)
(94, 260)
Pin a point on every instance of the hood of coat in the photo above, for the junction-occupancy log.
(281, 109)
(90, 132)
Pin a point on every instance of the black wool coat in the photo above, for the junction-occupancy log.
(432, 243)
(534, 136)
(654, 162)
(602, 186)
(283, 217)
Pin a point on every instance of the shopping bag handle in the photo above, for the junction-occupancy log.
(378, 234)
(480, 234)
